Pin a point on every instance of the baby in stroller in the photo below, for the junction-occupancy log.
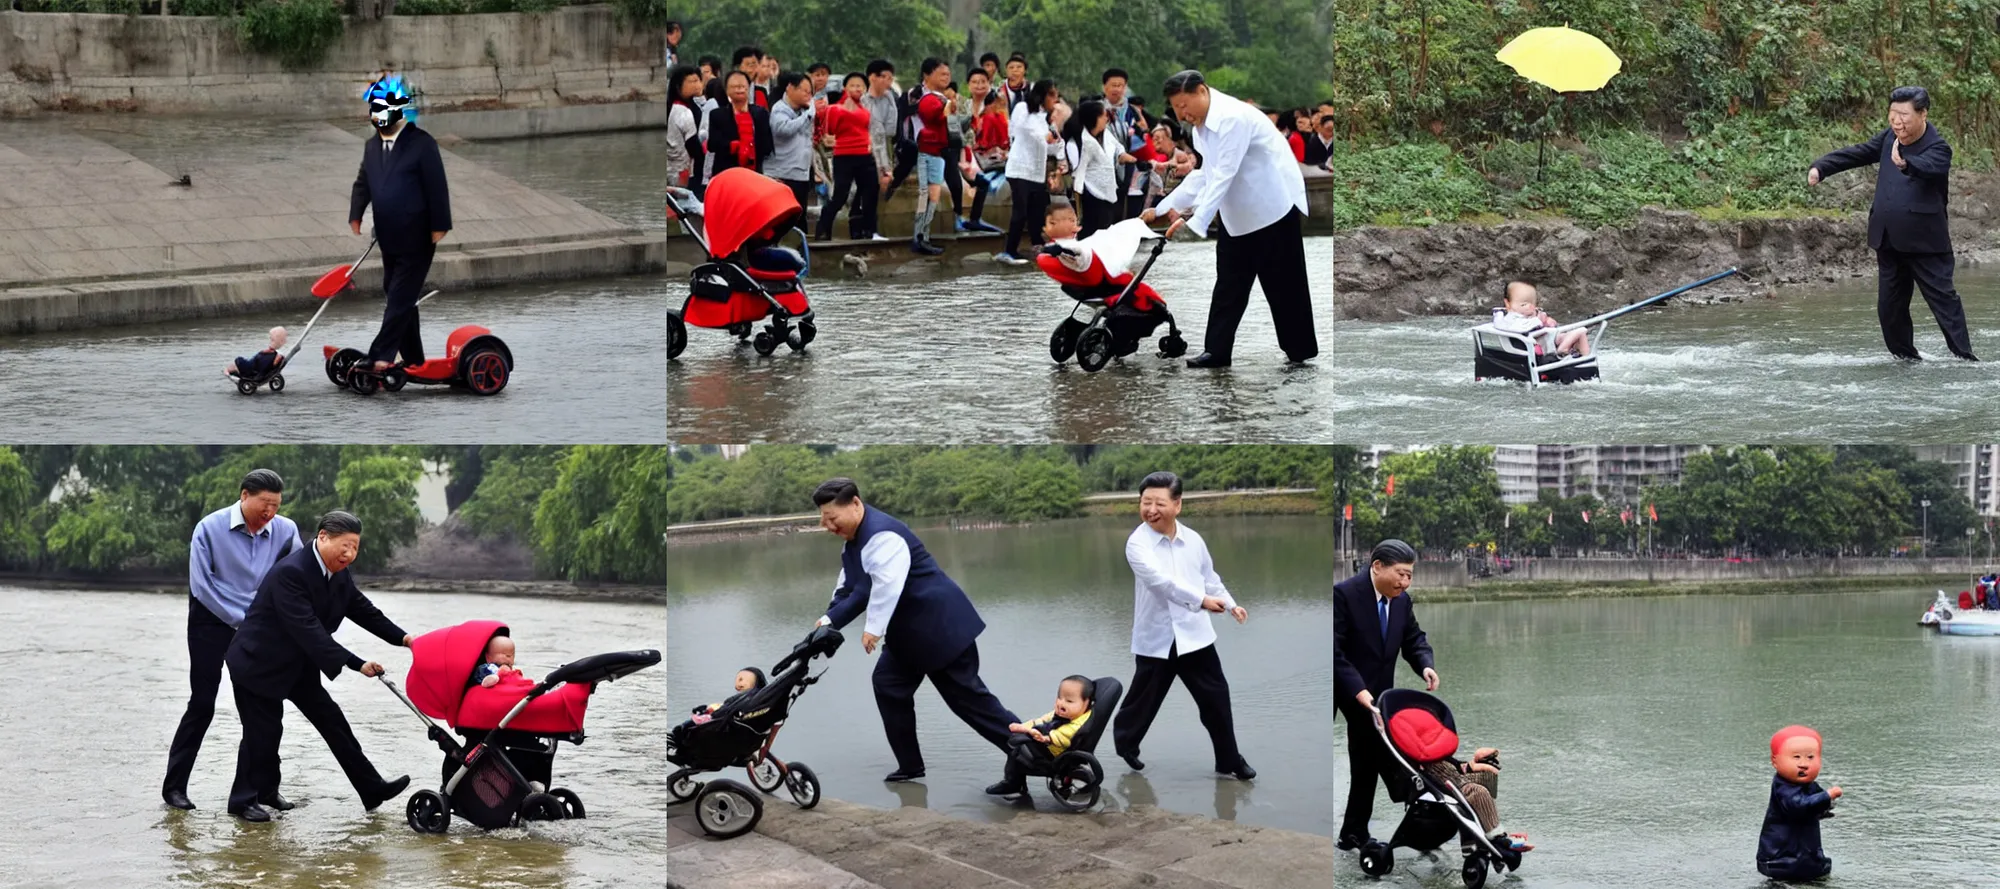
(1094, 272)
(1039, 742)
(739, 732)
(1451, 798)
(261, 364)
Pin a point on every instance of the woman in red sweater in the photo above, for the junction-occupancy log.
(847, 129)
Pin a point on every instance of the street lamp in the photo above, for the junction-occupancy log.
(1927, 528)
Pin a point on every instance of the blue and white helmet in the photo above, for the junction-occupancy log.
(389, 102)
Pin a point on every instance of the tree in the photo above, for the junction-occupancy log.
(604, 517)
(511, 486)
(381, 489)
(843, 33)
(20, 496)
(1445, 497)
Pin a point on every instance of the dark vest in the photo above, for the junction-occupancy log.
(934, 621)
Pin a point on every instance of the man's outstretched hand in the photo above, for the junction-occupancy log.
(354, 225)
(372, 669)
(406, 640)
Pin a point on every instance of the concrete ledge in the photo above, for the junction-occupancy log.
(134, 301)
(522, 123)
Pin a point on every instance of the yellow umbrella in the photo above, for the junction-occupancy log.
(1562, 59)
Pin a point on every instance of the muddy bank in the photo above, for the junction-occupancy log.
(1387, 274)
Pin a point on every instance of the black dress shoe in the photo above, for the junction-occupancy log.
(178, 799)
(1207, 360)
(1349, 842)
(1132, 759)
(1005, 789)
(900, 775)
(388, 791)
(1242, 772)
(254, 813)
(276, 801)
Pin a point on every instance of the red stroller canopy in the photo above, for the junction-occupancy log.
(442, 663)
(745, 205)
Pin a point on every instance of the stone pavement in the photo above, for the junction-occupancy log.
(842, 845)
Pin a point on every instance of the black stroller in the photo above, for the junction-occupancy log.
(1418, 730)
(741, 734)
(1076, 777)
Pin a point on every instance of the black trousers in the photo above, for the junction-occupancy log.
(1026, 755)
(1031, 203)
(1367, 759)
(906, 161)
(1201, 672)
(1896, 271)
(980, 187)
(958, 682)
(403, 276)
(264, 727)
(802, 190)
(1275, 258)
(208, 641)
(954, 181)
(856, 171)
(1097, 215)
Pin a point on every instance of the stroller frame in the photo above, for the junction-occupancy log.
(795, 331)
(1090, 339)
(1511, 355)
(1433, 812)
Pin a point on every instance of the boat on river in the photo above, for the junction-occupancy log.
(1960, 618)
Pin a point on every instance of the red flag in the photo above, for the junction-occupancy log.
(1392, 486)
(1652, 513)
(1624, 517)
(1586, 516)
(1347, 512)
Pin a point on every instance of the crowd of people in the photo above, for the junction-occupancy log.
(848, 142)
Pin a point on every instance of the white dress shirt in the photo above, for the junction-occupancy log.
(1028, 156)
(1248, 174)
(323, 572)
(1170, 577)
(1091, 160)
(886, 558)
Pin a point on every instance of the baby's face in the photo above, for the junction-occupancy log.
(1061, 226)
(1798, 760)
(1523, 300)
(1069, 700)
(745, 680)
(500, 651)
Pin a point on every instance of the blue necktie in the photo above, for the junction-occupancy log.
(1382, 607)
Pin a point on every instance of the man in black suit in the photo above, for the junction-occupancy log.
(1909, 224)
(402, 175)
(1373, 622)
(285, 641)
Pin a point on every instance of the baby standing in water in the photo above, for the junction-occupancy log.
(260, 363)
(1789, 847)
(1522, 313)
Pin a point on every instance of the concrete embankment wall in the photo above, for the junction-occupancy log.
(1453, 574)
(179, 64)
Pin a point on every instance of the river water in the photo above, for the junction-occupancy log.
(103, 681)
(1057, 599)
(1808, 366)
(928, 358)
(1635, 736)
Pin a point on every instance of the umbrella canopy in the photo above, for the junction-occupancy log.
(1562, 59)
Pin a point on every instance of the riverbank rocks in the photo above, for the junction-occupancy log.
(1385, 274)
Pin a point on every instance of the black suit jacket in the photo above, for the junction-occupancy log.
(722, 131)
(289, 626)
(407, 188)
(1910, 201)
(1362, 657)
(1317, 152)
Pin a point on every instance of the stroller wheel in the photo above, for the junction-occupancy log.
(338, 366)
(1093, 349)
(739, 331)
(542, 807)
(572, 804)
(765, 343)
(1474, 872)
(803, 784)
(1377, 859)
(366, 384)
(428, 812)
(1062, 343)
(677, 336)
(246, 387)
(1172, 346)
(728, 809)
(684, 787)
(277, 383)
(766, 774)
(1075, 787)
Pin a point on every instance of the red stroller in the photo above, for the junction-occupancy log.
(503, 773)
(748, 277)
(1124, 309)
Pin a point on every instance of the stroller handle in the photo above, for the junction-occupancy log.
(391, 683)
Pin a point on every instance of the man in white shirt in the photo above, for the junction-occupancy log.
(888, 576)
(1174, 589)
(1252, 182)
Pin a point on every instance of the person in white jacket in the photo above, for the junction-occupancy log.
(1030, 147)
(1092, 160)
(1250, 180)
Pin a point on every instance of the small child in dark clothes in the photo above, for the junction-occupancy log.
(261, 363)
(1039, 741)
(1789, 847)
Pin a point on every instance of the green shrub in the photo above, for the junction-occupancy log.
(297, 32)
(102, 7)
(207, 7)
(430, 7)
(643, 13)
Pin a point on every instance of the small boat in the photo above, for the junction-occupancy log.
(1960, 618)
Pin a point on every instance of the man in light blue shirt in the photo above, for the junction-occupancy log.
(231, 549)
